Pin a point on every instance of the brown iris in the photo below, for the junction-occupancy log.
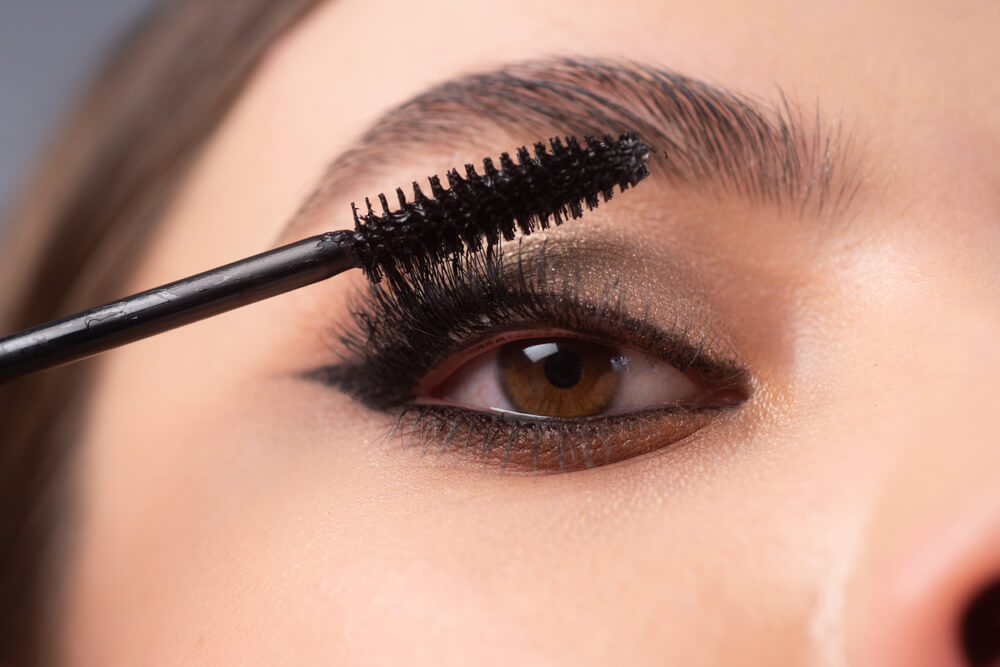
(560, 377)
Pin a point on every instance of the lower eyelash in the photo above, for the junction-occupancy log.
(514, 443)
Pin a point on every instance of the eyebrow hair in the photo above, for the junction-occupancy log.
(703, 136)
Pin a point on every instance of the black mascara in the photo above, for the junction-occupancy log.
(476, 210)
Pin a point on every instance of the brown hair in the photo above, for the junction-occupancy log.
(89, 206)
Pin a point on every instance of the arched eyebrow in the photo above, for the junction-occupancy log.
(705, 136)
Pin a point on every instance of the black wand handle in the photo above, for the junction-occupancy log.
(176, 304)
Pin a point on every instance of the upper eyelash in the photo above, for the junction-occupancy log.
(398, 333)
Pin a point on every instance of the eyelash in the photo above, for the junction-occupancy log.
(398, 334)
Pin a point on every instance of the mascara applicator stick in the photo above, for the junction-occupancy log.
(475, 211)
(176, 304)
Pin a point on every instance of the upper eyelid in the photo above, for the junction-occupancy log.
(383, 365)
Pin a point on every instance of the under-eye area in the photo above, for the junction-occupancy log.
(532, 360)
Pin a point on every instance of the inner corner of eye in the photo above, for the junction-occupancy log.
(561, 376)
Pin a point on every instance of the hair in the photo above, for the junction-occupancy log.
(90, 204)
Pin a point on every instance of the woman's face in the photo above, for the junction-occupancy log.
(837, 503)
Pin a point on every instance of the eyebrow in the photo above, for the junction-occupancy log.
(704, 136)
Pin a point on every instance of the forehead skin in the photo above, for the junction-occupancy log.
(229, 513)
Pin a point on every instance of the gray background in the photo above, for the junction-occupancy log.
(47, 49)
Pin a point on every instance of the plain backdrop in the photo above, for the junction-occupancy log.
(47, 50)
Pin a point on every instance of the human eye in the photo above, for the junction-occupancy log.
(530, 364)
(561, 376)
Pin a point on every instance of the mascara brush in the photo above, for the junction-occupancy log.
(473, 212)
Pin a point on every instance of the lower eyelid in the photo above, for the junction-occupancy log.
(516, 444)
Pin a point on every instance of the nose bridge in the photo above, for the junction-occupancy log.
(931, 539)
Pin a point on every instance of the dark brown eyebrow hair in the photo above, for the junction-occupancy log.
(704, 136)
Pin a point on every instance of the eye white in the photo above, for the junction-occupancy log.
(646, 382)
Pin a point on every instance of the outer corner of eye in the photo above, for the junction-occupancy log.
(567, 378)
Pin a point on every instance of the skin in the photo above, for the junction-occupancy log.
(229, 512)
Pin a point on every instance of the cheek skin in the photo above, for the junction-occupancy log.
(344, 543)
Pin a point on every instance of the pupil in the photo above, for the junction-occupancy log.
(563, 369)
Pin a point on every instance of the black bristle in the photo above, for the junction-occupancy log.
(556, 184)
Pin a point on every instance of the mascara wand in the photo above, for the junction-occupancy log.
(473, 212)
